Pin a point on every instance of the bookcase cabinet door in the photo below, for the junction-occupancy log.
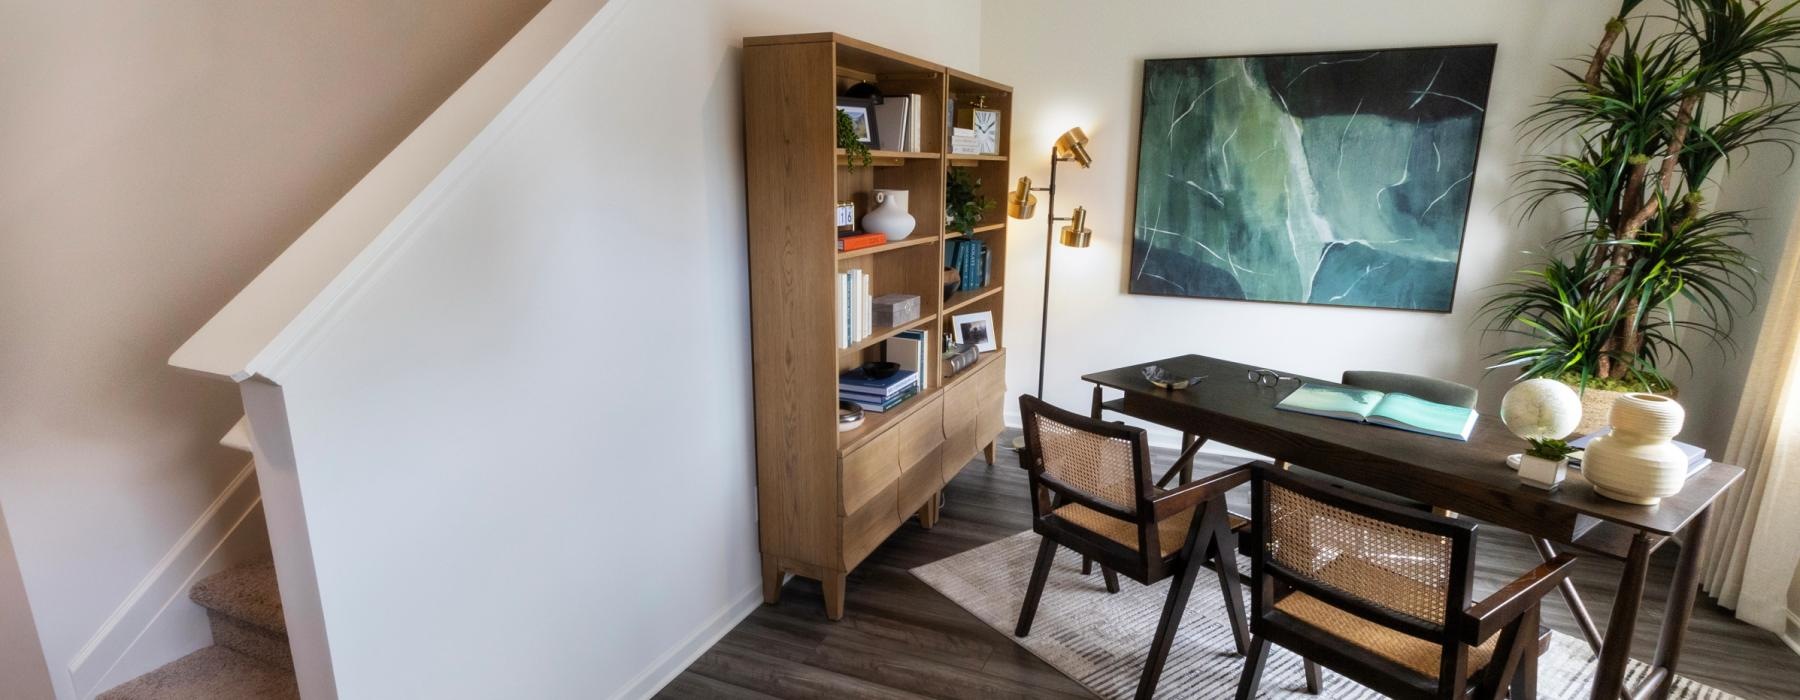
(972, 414)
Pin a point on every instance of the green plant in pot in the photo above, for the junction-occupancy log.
(963, 204)
(1630, 145)
(1545, 463)
(855, 151)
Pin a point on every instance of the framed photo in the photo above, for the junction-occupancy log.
(862, 117)
(1341, 178)
(975, 329)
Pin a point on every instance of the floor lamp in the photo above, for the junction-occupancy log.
(1021, 204)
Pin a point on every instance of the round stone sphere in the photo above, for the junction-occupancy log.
(1541, 408)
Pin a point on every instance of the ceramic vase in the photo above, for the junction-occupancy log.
(1637, 463)
(889, 217)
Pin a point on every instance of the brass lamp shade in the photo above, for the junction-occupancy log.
(1072, 145)
(1076, 234)
(1021, 203)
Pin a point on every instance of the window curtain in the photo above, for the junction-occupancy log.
(1750, 552)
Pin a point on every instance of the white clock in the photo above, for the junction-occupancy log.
(987, 130)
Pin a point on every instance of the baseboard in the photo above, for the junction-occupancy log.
(106, 659)
(1791, 633)
(666, 667)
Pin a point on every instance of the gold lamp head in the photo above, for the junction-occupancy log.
(1076, 234)
(1021, 202)
(1072, 145)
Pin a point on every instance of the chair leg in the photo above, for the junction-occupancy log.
(1039, 572)
(1315, 681)
(1253, 668)
(1223, 549)
(1087, 565)
(1112, 579)
(1179, 588)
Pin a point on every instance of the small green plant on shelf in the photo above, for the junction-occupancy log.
(856, 152)
(1549, 448)
(964, 205)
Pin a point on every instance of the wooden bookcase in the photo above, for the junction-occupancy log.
(825, 498)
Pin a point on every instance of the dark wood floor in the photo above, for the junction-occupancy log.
(900, 638)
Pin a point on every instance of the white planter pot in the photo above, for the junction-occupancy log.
(1538, 472)
(1637, 463)
(890, 217)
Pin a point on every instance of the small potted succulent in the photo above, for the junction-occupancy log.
(1545, 464)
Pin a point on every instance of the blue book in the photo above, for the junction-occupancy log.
(1392, 410)
(857, 381)
(888, 404)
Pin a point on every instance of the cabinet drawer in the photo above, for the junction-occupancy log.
(866, 527)
(972, 415)
(875, 466)
(919, 481)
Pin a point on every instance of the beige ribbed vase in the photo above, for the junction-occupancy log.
(1596, 407)
(1637, 463)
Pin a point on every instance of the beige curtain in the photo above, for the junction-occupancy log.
(1754, 546)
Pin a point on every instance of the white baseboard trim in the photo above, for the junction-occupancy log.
(1791, 634)
(674, 661)
(91, 669)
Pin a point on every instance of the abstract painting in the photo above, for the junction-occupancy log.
(1324, 178)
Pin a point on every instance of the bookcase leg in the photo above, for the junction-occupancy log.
(928, 513)
(771, 572)
(989, 452)
(834, 595)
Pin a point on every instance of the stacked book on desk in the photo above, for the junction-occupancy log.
(1696, 455)
(877, 395)
(969, 257)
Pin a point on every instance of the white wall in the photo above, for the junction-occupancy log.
(1094, 82)
(524, 446)
(155, 156)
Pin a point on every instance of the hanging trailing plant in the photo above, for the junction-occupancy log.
(963, 204)
(1631, 142)
(856, 152)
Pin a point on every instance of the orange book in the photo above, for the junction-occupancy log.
(860, 241)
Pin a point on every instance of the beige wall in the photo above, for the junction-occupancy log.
(156, 155)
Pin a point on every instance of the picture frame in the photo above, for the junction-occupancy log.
(862, 115)
(975, 329)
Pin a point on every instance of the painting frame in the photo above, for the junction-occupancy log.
(975, 328)
(1483, 56)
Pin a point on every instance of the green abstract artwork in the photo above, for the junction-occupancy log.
(1324, 178)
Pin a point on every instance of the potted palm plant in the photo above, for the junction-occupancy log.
(1632, 144)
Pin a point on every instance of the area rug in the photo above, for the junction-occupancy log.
(1100, 640)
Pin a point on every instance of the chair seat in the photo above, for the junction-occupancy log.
(1404, 649)
(1172, 531)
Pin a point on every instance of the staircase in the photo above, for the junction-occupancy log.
(249, 657)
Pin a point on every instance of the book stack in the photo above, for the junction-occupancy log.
(1696, 455)
(859, 241)
(878, 395)
(897, 123)
(970, 257)
(909, 350)
(856, 320)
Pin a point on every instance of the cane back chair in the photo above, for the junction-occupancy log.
(1382, 595)
(1092, 492)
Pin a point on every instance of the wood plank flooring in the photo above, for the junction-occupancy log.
(900, 639)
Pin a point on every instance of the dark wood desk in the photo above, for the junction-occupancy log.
(1466, 477)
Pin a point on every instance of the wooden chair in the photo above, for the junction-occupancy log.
(1381, 595)
(1091, 491)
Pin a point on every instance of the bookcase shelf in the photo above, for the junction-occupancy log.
(962, 300)
(901, 244)
(882, 333)
(828, 498)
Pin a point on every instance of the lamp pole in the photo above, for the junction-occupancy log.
(1049, 250)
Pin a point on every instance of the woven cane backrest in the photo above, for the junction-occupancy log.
(1394, 568)
(1098, 466)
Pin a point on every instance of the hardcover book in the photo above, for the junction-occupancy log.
(1392, 410)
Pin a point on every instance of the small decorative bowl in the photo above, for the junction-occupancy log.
(879, 370)
(1155, 374)
(850, 416)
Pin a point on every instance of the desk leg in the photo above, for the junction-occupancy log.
(1615, 653)
(1187, 458)
(1577, 609)
(1094, 409)
(1682, 591)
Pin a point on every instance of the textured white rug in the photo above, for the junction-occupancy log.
(1101, 640)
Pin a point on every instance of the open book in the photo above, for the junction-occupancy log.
(1392, 410)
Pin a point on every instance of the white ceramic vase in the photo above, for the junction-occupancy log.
(889, 217)
(1542, 473)
(1637, 463)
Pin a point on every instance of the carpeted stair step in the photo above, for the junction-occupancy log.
(244, 607)
(211, 673)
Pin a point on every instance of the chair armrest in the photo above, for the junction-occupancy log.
(1486, 617)
(1199, 491)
